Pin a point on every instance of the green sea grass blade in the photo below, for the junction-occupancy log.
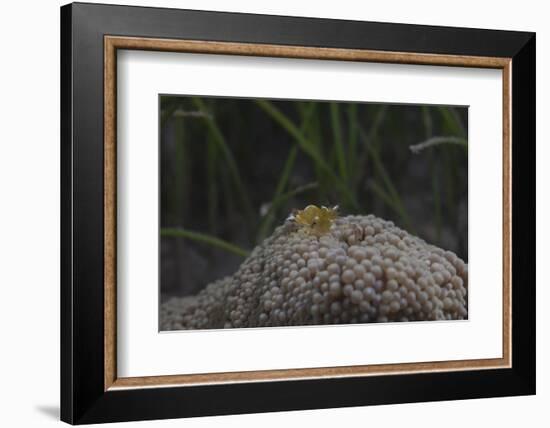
(338, 143)
(306, 147)
(211, 167)
(391, 196)
(281, 199)
(269, 217)
(436, 190)
(370, 137)
(352, 142)
(180, 189)
(452, 121)
(232, 165)
(438, 141)
(205, 239)
(167, 113)
(266, 224)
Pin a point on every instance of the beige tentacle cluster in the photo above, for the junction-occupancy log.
(360, 269)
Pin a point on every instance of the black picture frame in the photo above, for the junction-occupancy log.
(83, 396)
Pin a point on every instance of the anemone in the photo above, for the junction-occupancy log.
(363, 269)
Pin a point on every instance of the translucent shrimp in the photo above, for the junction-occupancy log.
(314, 219)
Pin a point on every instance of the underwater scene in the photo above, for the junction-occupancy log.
(292, 212)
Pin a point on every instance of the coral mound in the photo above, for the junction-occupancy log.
(364, 269)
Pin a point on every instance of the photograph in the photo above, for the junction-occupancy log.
(278, 212)
(263, 211)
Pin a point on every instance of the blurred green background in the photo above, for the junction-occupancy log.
(233, 169)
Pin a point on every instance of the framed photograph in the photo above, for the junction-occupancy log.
(266, 213)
